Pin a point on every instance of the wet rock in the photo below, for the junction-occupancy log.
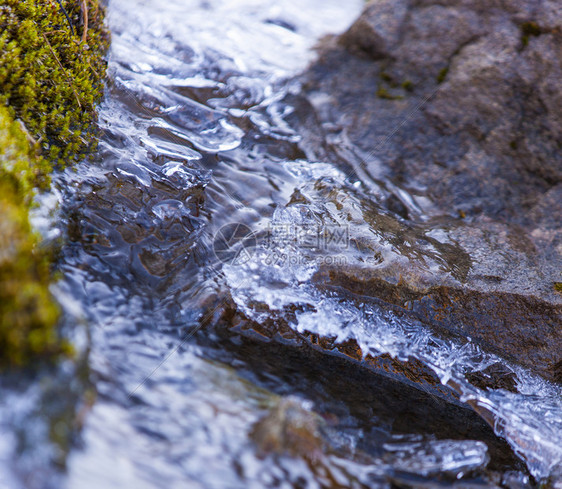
(487, 141)
(495, 376)
(290, 428)
(347, 396)
(456, 111)
(520, 328)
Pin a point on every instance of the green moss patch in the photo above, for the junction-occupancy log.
(442, 74)
(28, 316)
(383, 93)
(51, 77)
(407, 85)
(529, 29)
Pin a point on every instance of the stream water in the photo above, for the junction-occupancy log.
(204, 199)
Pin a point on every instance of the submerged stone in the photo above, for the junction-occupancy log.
(289, 429)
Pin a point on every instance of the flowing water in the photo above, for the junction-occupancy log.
(191, 245)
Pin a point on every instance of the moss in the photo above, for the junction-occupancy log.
(51, 76)
(558, 287)
(28, 316)
(408, 85)
(529, 29)
(442, 74)
(388, 79)
(385, 94)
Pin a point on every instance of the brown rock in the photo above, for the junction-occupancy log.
(454, 110)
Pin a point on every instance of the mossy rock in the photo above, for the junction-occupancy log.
(51, 77)
(28, 316)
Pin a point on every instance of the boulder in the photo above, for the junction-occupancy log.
(453, 112)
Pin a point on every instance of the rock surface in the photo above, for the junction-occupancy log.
(456, 109)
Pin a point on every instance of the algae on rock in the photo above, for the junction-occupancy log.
(51, 77)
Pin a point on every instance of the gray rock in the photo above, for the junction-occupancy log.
(489, 139)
